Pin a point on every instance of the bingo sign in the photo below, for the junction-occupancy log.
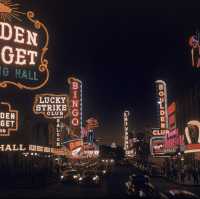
(75, 104)
(23, 46)
(51, 106)
(8, 119)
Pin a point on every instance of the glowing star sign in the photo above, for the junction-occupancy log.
(75, 104)
(23, 45)
(8, 119)
(51, 106)
(162, 103)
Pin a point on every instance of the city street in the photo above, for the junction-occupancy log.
(112, 186)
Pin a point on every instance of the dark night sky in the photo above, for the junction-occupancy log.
(118, 49)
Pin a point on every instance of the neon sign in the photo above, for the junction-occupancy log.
(12, 147)
(51, 106)
(173, 141)
(195, 50)
(159, 132)
(75, 104)
(23, 45)
(162, 102)
(157, 145)
(91, 123)
(172, 115)
(192, 137)
(8, 119)
(126, 144)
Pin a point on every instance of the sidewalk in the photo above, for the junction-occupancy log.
(27, 183)
(187, 182)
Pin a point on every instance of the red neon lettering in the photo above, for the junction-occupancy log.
(75, 122)
(75, 85)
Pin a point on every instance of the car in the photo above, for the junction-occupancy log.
(146, 190)
(89, 178)
(70, 176)
(103, 171)
(181, 194)
(136, 182)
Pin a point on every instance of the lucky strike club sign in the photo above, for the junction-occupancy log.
(75, 103)
(51, 106)
(23, 45)
(8, 119)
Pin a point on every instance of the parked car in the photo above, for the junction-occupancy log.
(89, 178)
(181, 194)
(70, 176)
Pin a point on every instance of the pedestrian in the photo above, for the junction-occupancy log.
(195, 176)
(182, 176)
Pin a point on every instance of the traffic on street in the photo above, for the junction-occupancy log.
(99, 99)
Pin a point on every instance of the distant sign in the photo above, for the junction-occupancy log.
(159, 132)
(192, 137)
(8, 119)
(92, 123)
(195, 49)
(51, 106)
(172, 115)
(173, 141)
(157, 145)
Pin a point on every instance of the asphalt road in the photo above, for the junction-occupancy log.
(112, 186)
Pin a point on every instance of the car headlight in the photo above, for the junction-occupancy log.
(75, 176)
(80, 179)
(95, 178)
(61, 177)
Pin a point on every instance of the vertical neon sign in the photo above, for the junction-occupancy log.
(75, 105)
(162, 102)
(126, 115)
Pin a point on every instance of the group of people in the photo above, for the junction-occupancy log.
(184, 175)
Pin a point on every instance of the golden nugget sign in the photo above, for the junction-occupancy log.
(51, 106)
(23, 45)
(162, 102)
(8, 119)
